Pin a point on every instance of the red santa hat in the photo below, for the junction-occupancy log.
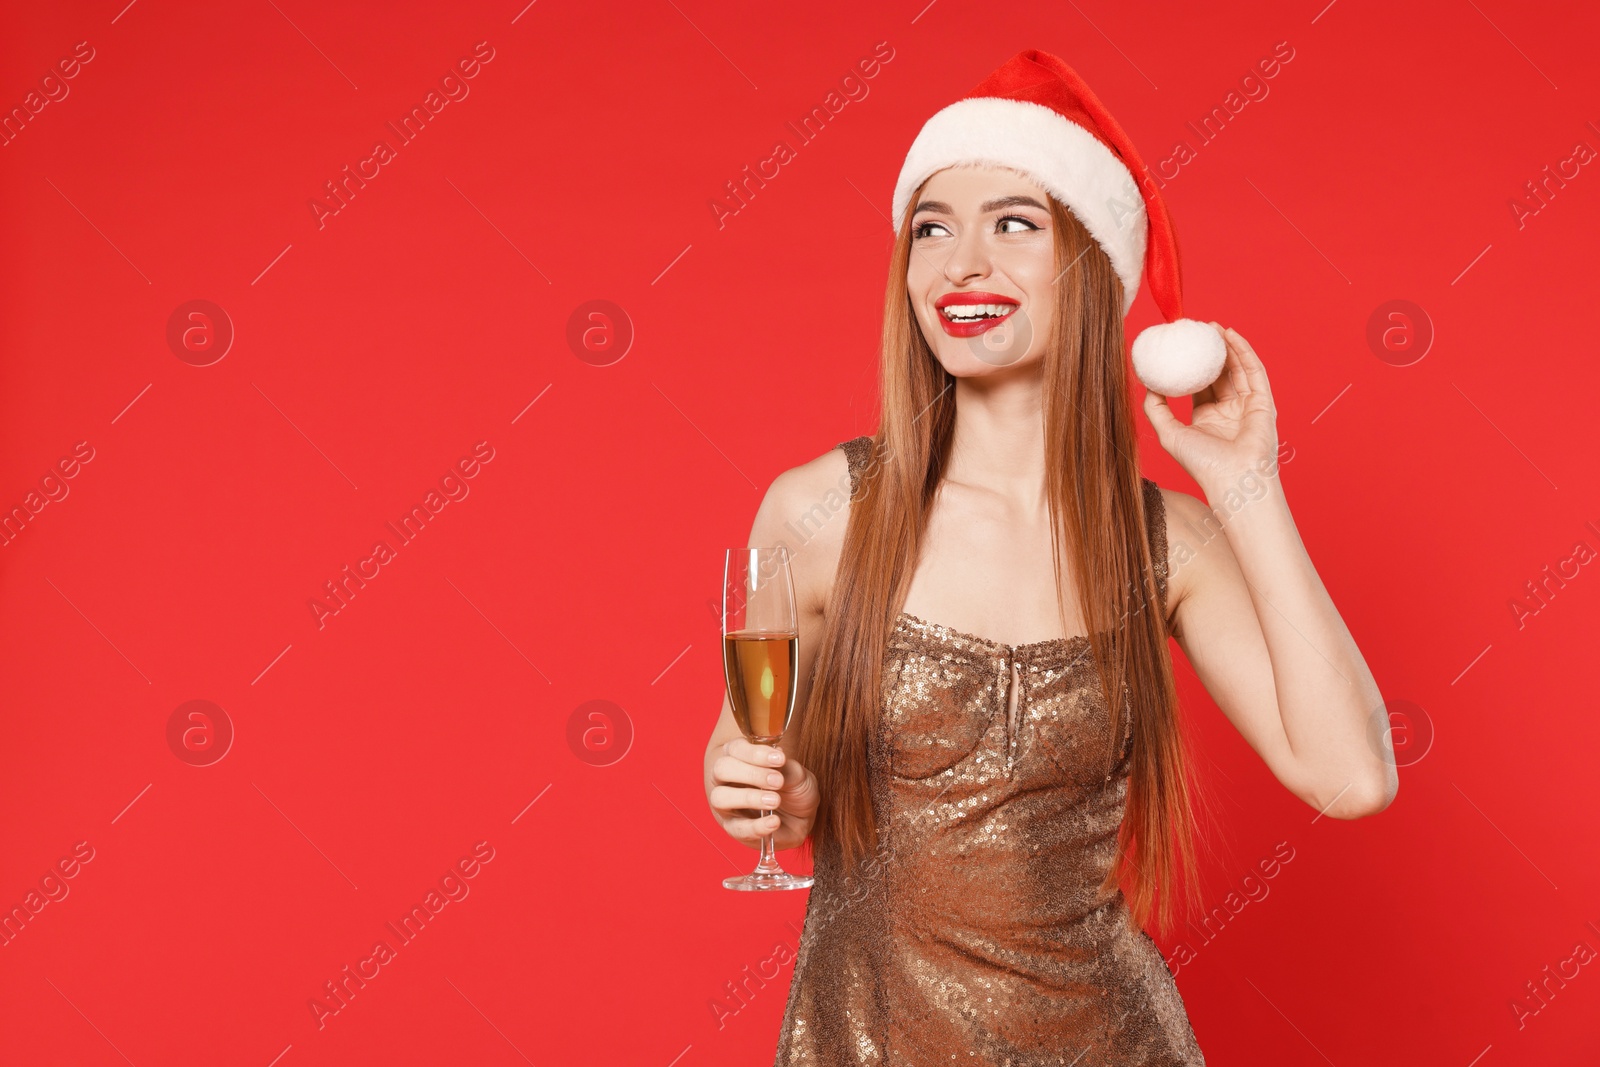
(1035, 114)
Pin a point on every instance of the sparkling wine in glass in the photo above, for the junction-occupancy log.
(760, 658)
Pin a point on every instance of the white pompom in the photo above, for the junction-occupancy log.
(1180, 357)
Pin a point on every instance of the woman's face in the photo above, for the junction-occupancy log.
(982, 267)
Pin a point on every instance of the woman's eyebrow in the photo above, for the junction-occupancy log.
(997, 204)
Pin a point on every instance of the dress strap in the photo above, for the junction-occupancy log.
(1155, 513)
(857, 451)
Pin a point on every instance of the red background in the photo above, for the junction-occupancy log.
(375, 350)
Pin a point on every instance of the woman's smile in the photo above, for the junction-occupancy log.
(970, 314)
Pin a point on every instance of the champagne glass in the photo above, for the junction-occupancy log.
(760, 660)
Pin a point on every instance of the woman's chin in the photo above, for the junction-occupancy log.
(962, 360)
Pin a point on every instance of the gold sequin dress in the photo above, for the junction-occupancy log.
(974, 936)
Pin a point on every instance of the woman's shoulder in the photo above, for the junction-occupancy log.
(806, 509)
(1177, 510)
(822, 482)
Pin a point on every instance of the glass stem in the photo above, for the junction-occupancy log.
(769, 858)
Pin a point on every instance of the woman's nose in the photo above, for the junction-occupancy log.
(969, 258)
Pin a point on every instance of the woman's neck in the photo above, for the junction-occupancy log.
(998, 442)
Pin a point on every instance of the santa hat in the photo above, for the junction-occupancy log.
(1035, 114)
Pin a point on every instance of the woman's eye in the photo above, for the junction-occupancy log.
(924, 229)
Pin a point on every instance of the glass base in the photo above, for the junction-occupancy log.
(773, 880)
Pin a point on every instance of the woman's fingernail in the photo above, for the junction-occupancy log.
(775, 757)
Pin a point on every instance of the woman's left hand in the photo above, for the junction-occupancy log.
(1233, 430)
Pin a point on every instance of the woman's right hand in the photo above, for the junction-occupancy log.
(745, 777)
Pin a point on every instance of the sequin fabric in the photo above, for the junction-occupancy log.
(975, 935)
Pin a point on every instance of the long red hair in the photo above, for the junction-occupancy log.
(1095, 495)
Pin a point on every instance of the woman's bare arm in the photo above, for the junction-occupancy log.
(1251, 612)
(1267, 642)
(804, 511)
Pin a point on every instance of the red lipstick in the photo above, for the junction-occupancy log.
(973, 322)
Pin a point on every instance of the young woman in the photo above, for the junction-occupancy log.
(974, 590)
